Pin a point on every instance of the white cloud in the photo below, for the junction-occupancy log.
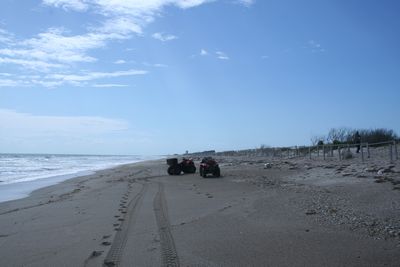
(78, 5)
(58, 79)
(203, 52)
(12, 121)
(94, 75)
(24, 132)
(5, 74)
(28, 132)
(5, 36)
(164, 37)
(246, 3)
(12, 83)
(58, 49)
(120, 61)
(30, 64)
(159, 65)
(315, 46)
(101, 85)
(221, 55)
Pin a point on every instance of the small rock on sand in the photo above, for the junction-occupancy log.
(311, 212)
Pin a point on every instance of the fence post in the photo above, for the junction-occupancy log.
(340, 152)
(332, 151)
(391, 152)
(318, 151)
(362, 152)
(369, 155)
(309, 152)
(396, 156)
(323, 150)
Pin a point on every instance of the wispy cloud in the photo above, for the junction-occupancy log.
(58, 79)
(11, 120)
(102, 85)
(156, 65)
(246, 3)
(5, 36)
(221, 55)
(315, 46)
(203, 52)
(120, 61)
(25, 132)
(95, 75)
(78, 5)
(57, 48)
(32, 64)
(164, 37)
(12, 83)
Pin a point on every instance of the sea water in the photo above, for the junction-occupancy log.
(20, 174)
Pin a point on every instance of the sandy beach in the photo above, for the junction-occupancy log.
(299, 212)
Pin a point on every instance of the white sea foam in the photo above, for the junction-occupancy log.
(20, 174)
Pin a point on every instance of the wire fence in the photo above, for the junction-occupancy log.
(388, 150)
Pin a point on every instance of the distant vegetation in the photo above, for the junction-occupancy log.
(346, 136)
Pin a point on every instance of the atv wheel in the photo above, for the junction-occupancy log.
(192, 169)
(171, 170)
(177, 170)
(217, 172)
(204, 174)
(201, 171)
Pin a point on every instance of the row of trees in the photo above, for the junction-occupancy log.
(347, 135)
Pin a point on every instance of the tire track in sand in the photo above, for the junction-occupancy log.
(118, 245)
(169, 255)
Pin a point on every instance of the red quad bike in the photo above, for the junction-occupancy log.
(209, 165)
(175, 168)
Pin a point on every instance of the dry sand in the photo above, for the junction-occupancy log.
(298, 213)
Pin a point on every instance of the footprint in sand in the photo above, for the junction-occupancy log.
(96, 253)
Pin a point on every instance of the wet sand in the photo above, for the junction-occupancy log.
(297, 213)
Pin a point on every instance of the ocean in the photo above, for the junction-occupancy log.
(20, 174)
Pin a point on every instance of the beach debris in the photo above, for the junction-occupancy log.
(347, 155)
(311, 212)
(396, 187)
(380, 180)
(267, 166)
(386, 170)
(106, 243)
(109, 263)
(96, 253)
(371, 169)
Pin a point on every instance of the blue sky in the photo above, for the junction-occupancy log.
(166, 76)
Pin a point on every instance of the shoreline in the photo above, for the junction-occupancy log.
(296, 213)
(10, 191)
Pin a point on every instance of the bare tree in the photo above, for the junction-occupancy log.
(317, 139)
(338, 135)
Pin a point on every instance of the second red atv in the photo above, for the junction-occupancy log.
(209, 165)
(175, 168)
